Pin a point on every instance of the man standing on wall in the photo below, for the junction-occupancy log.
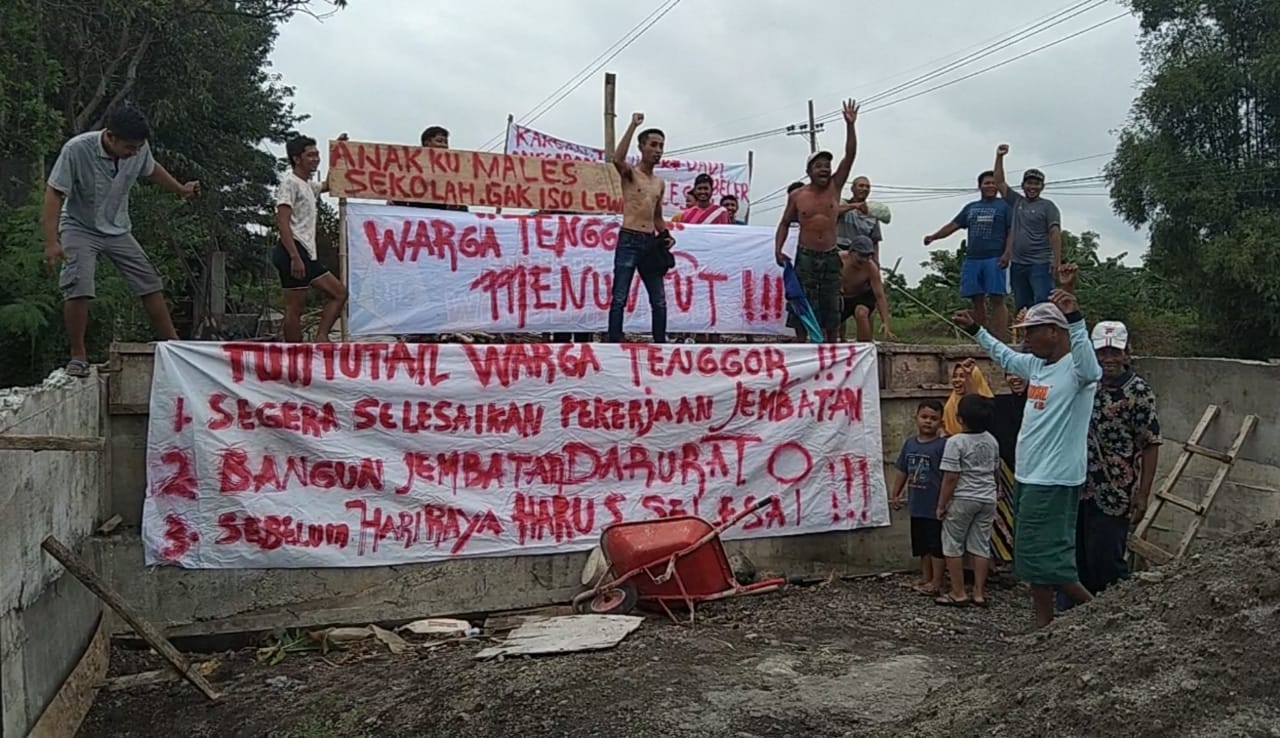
(814, 206)
(862, 290)
(703, 212)
(1062, 373)
(982, 276)
(86, 216)
(644, 243)
(1035, 242)
(1124, 448)
(856, 218)
(294, 256)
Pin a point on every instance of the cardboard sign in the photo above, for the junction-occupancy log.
(453, 177)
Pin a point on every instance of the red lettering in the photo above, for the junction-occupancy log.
(178, 538)
(558, 517)
(509, 363)
(303, 418)
(181, 481)
(237, 473)
(271, 532)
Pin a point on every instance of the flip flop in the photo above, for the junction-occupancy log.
(77, 368)
(981, 603)
(947, 600)
(926, 591)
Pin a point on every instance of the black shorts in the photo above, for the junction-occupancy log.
(849, 304)
(926, 537)
(314, 270)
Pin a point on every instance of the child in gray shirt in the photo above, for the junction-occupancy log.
(967, 501)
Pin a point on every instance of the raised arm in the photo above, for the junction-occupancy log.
(850, 146)
(784, 227)
(1001, 185)
(1011, 361)
(1087, 369)
(624, 144)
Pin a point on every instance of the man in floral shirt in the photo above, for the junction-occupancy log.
(1124, 444)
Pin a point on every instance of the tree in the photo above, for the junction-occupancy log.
(198, 69)
(1199, 163)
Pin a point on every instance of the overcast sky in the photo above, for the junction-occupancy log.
(715, 69)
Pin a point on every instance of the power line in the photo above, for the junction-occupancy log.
(1011, 40)
(582, 75)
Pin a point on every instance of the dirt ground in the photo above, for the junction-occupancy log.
(1186, 651)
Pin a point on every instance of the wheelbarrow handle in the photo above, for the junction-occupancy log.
(761, 504)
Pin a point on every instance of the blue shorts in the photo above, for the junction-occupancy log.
(1031, 283)
(980, 277)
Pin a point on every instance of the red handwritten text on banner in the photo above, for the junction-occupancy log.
(296, 455)
(423, 271)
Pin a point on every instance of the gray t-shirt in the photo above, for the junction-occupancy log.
(854, 223)
(975, 457)
(1032, 220)
(96, 185)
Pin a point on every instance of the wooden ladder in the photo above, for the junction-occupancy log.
(1152, 553)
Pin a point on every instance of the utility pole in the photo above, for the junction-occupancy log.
(810, 129)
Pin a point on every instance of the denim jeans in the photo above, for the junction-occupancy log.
(638, 252)
(1031, 283)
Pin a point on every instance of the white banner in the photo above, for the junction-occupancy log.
(412, 270)
(730, 179)
(362, 454)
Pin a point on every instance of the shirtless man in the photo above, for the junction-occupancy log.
(818, 263)
(644, 243)
(862, 290)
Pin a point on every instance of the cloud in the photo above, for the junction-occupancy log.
(714, 69)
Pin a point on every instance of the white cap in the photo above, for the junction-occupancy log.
(1110, 334)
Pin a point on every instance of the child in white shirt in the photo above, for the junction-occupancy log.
(967, 502)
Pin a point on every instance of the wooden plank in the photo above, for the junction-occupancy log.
(1214, 486)
(1182, 502)
(1150, 551)
(67, 710)
(14, 442)
(343, 271)
(1212, 453)
(149, 633)
(375, 171)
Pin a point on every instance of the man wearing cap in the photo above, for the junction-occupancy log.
(1124, 448)
(814, 206)
(862, 290)
(1033, 252)
(1062, 373)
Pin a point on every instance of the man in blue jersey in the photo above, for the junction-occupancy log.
(1062, 374)
(983, 276)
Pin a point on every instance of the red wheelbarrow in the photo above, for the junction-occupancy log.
(672, 560)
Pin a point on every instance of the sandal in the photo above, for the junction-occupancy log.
(77, 368)
(947, 600)
(926, 590)
(980, 603)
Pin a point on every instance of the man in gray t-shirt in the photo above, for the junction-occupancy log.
(856, 219)
(1035, 239)
(86, 216)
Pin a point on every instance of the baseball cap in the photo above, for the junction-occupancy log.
(861, 244)
(1044, 313)
(1110, 334)
(816, 156)
(1035, 174)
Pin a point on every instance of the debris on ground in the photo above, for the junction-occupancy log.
(1182, 651)
(565, 634)
(1185, 650)
(437, 627)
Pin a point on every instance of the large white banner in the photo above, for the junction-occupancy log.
(729, 179)
(363, 454)
(413, 270)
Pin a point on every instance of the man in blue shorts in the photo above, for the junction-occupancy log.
(983, 278)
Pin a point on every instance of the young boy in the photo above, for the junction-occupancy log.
(967, 504)
(295, 256)
(920, 469)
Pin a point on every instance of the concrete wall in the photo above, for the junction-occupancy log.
(46, 617)
(1184, 388)
(196, 602)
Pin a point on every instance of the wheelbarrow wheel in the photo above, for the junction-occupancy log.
(618, 600)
